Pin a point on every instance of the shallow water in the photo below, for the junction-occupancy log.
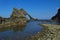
(22, 32)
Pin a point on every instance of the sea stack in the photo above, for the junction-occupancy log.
(18, 17)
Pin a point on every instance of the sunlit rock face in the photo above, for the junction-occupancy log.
(57, 16)
(18, 13)
(18, 16)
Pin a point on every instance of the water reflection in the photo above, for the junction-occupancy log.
(18, 28)
(20, 32)
(14, 28)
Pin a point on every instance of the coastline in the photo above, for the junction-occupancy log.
(50, 32)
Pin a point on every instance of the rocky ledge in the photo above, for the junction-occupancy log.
(53, 31)
(49, 32)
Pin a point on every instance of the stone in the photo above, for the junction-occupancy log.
(18, 17)
(57, 16)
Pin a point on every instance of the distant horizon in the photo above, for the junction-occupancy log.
(41, 9)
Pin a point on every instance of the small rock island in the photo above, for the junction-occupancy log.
(18, 17)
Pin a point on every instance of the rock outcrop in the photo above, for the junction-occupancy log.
(49, 32)
(57, 16)
(18, 17)
(53, 31)
(18, 13)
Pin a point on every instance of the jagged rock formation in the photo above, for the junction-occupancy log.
(18, 13)
(57, 16)
(18, 17)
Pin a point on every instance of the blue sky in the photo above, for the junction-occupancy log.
(42, 9)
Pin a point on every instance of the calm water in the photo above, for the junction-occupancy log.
(20, 33)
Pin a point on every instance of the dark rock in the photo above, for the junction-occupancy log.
(0, 20)
(57, 16)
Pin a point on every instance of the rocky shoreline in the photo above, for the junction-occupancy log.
(50, 32)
